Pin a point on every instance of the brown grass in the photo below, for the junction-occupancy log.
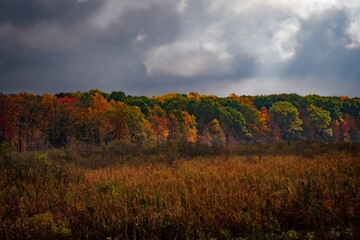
(245, 197)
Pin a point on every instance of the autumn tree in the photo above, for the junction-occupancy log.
(49, 122)
(98, 124)
(205, 110)
(25, 113)
(6, 125)
(118, 118)
(32, 122)
(188, 127)
(214, 136)
(335, 128)
(160, 126)
(182, 127)
(262, 134)
(344, 128)
(308, 131)
(353, 129)
(139, 128)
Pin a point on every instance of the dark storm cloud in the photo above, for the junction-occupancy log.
(158, 46)
(59, 57)
(324, 56)
(157, 21)
(28, 12)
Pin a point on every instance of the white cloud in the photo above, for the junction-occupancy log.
(141, 37)
(109, 13)
(306, 8)
(354, 33)
(112, 11)
(188, 58)
(284, 41)
(351, 4)
(301, 8)
(182, 5)
(199, 52)
(269, 42)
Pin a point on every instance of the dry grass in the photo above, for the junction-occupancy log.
(244, 197)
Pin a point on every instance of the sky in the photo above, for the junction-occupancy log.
(153, 47)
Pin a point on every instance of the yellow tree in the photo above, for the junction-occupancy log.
(188, 127)
(160, 126)
(99, 126)
(118, 118)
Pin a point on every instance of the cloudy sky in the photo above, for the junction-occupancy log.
(151, 47)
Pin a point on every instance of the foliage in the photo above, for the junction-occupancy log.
(285, 116)
(320, 120)
(30, 122)
(92, 165)
(264, 194)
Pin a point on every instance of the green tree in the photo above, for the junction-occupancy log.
(234, 124)
(139, 103)
(320, 120)
(286, 117)
(139, 127)
(117, 96)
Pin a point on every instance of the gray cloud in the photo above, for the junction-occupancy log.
(25, 13)
(325, 57)
(49, 55)
(158, 46)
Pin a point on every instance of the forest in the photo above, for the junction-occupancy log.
(94, 165)
(31, 122)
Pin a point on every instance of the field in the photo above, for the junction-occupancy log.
(54, 195)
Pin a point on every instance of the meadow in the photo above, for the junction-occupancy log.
(61, 194)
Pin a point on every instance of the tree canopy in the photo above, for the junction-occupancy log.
(34, 122)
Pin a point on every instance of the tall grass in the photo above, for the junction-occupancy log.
(244, 197)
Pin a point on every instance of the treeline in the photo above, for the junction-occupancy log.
(33, 122)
